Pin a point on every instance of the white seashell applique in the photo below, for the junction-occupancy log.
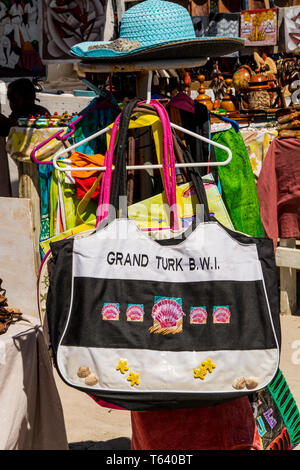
(83, 372)
(239, 383)
(251, 383)
(91, 380)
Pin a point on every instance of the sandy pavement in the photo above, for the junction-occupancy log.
(90, 426)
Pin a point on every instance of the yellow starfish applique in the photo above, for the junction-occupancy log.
(122, 366)
(209, 365)
(133, 378)
(200, 373)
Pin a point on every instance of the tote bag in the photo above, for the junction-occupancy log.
(178, 323)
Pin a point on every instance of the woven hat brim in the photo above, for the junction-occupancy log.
(189, 48)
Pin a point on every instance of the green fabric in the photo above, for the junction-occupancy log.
(69, 200)
(285, 402)
(238, 184)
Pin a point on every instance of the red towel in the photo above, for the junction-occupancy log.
(228, 426)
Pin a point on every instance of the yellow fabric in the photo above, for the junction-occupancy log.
(153, 212)
(257, 142)
(45, 244)
(22, 140)
(82, 160)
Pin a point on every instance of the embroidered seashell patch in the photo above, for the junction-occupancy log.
(221, 314)
(135, 312)
(167, 316)
(84, 372)
(198, 315)
(110, 311)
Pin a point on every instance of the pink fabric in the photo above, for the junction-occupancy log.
(228, 426)
(102, 212)
(168, 152)
(278, 190)
(183, 101)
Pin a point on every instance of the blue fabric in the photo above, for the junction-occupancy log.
(44, 175)
(93, 122)
(234, 124)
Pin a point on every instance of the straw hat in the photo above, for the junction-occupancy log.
(156, 29)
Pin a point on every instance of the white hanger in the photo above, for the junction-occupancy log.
(143, 167)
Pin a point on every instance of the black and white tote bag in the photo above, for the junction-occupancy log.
(145, 324)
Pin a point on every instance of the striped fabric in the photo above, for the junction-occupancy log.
(284, 400)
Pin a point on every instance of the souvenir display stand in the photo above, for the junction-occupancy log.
(141, 68)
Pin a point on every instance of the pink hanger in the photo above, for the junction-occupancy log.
(57, 136)
(105, 103)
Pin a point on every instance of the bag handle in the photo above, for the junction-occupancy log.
(119, 180)
(130, 174)
(183, 155)
(120, 177)
(168, 151)
(102, 211)
(168, 162)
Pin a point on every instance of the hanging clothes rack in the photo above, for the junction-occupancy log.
(145, 166)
